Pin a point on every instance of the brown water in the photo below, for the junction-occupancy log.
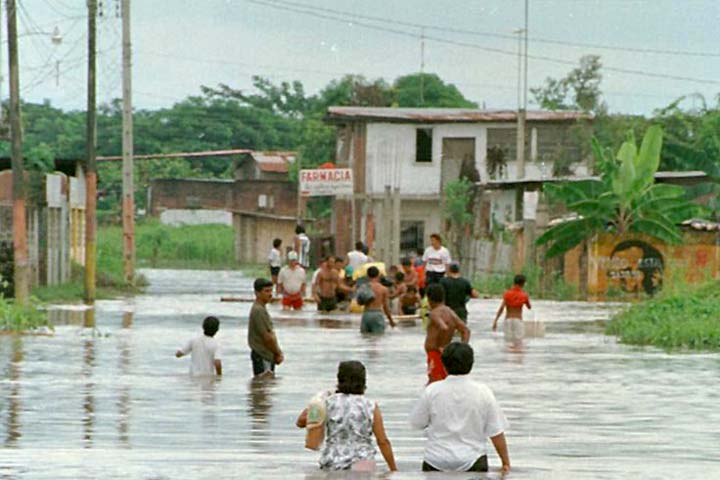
(113, 402)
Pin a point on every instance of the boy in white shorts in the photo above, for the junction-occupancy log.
(513, 301)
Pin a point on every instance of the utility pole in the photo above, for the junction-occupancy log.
(422, 66)
(128, 204)
(21, 271)
(91, 163)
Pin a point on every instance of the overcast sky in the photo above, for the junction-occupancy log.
(180, 45)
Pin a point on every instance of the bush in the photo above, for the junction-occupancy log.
(688, 319)
(21, 318)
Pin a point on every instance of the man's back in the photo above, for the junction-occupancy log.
(204, 351)
(457, 292)
(460, 414)
(438, 338)
(380, 295)
(356, 259)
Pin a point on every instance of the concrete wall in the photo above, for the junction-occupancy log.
(195, 217)
(178, 194)
(635, 265)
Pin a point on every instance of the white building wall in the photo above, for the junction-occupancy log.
(390, 156)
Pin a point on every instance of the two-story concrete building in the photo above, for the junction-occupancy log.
(402, 158)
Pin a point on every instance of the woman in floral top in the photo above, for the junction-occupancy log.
(350, 422)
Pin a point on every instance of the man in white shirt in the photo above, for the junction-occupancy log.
(459, 415)
(357, 257)
(436, 259)
(301, 243)
(205, 350)
(291, 283)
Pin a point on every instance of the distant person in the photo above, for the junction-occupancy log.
(291, 285)
(436, 259)
(204, 350)
(265, 351)
(350, 421)
(373, 317)
(344, 289)
(326, 285)
(419, 267)
(513, 301)
(442, 325)
(459, 415)
(410, 301)
(457, 291)
(409, 272)
(301, 243)
(357, 258)
(275, 261)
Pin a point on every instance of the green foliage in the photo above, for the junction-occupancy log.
(553, 288)
(22, 318)
(685, 320)
(625, 200)
(435, 92)
(458, 194)
(578, 90)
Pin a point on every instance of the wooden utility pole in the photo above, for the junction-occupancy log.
(20, 247)
(128, 204)
(90, 162)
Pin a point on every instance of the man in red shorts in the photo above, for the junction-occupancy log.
(441, 329)
(291, 283)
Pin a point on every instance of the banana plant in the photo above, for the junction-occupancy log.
(626, 199)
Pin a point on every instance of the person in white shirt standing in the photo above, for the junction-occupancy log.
(275, 261)
(459, 415)
(205, 350)
(436, 259)
(301, 243)
(291, 283)
(357, 257)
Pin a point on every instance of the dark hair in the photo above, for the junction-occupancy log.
(261, 283)
(351, 377)
(373, 272)
(277, 242)
(406, 262)
(386, 282)
(299, 229)
(359, 245)
(399, 276)
(339, 259)
(454, 267)
(420, 251)
(519, 280)
(366, 249)
(437, 237)
(458, 358)
(211, 326)
(436, 293)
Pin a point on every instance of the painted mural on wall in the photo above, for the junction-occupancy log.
(637, 265)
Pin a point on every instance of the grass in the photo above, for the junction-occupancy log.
(555, 288)
(193, 247)
(16, 318)
(677, 319)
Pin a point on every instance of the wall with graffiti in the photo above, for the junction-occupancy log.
(635, 265)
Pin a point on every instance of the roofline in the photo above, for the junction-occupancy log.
(691, 177)
(443, 115)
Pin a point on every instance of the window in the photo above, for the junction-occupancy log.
(262, 201)
(423, 145)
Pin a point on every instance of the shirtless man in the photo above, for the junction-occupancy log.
(411, 276)
(441, 329)
(326, 285)
(513, 301)
(373, 320)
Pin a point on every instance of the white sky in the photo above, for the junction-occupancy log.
(180, 45)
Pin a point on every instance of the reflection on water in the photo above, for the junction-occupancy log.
(117, 405)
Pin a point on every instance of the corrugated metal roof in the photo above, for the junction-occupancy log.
(277, 162)
(446, 115)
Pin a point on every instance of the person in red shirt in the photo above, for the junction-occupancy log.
(513, 301)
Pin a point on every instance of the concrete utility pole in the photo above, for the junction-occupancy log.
(20, 247)
(128, 204)
(91, 163)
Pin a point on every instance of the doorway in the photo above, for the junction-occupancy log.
(456, 152)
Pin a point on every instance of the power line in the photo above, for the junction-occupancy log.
(501, 51)
(477, 33)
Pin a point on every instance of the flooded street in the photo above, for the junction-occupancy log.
(113, 402)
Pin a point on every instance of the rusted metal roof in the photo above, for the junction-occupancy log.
(446, 115)
(692, 177)
(209, 153)
(276, 162)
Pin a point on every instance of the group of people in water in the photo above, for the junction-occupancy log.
(458, 414)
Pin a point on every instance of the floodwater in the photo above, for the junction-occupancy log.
(111, 401)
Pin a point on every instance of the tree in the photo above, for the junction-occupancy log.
(458, 196)
(435, 92)
(578, 90)
(625, 200)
